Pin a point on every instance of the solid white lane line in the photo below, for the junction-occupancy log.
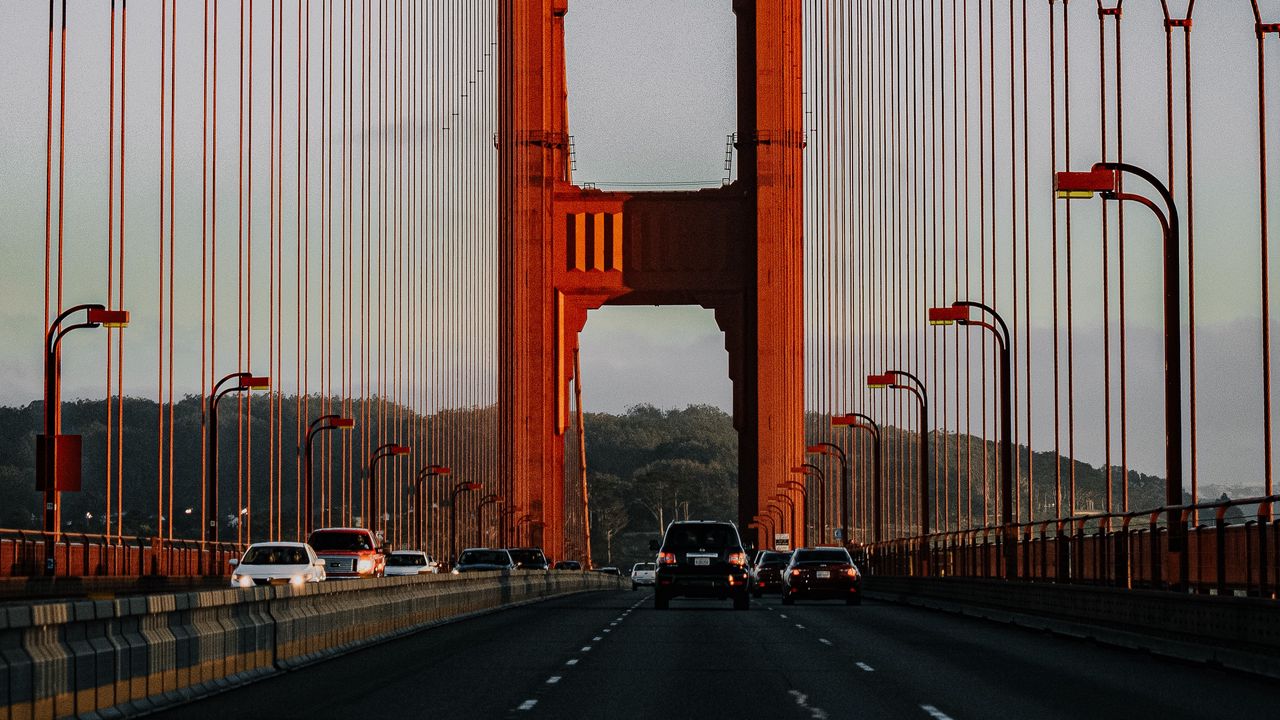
(586, 648)
(553, 679)
(824, 641)
(865, 667)
(935, 713)
(527, 705)
(803, 701)
(571, 662)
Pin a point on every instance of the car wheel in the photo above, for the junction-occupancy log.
(741, 601)
(788, 599)
(660, 601)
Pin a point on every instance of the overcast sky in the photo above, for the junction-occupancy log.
(651, 100)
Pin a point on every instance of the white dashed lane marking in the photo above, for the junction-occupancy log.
(799, 626)
(824, 641)
(571, 662)
(803, 701)
(527, 705)
(553, 679)
(935, 713)
(865, 667)
(596, 639)
(782, 615)
(586, 648)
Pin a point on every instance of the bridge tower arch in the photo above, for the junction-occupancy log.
(565, 250)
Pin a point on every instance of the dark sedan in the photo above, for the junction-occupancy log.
(822, 572)
(484, 559)
(766, 574)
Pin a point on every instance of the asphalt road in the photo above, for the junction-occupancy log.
(611, 655)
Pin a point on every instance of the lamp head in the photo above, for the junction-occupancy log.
(844, 420)
(109, 318)
(256, 382)
(399, 450)
(949, 315)
(342, 423)
(880, 381)
(1078, 185)
(472, 486)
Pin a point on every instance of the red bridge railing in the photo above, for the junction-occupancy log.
(23, 554)
(1225, 556)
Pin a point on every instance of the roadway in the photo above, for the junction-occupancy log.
(612, 655)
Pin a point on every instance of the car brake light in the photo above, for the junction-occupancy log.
(851, 572)
(795, 572)
(666, 558)
(737, 558)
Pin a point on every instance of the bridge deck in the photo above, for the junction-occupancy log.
(701, 659)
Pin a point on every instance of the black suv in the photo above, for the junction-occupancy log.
(701, 558)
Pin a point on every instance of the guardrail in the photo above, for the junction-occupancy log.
(1129, 550)
(124, 656)
(23, 554)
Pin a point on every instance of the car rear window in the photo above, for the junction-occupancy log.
(275, 555)
(528, 557)
(645, 566)
(774, 559)
(328, 540)
(822, 556)
(692, 537)
(407, 560)
(483, 557)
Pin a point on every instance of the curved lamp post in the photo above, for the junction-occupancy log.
(58, 455)
(373, 493)
(485, 501)
(958, 313)
(320, 424)
(1104, 178)
(893, 379)
(799, 487)
(811, 470)
(424, 473)
(846, 486)
(244, 382)
(458, 489)
(859, 421)
(791, 504)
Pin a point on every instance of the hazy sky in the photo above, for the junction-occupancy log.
(651, 100)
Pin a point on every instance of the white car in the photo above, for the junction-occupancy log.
(277, 563)
(410, 562)
(643, 574)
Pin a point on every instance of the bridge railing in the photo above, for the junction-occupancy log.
(1239, 555)
(23, 553)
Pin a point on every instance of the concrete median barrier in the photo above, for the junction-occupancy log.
(113, 658)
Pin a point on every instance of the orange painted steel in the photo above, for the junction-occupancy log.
(565, 250)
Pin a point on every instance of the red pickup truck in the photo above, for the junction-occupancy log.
(349, 552)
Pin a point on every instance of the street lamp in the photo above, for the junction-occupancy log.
(846, 486)
(804, 497)
(58, 455)
(1104, 178)
(244, 382)
(791, 504)
(453, 516)
(958, 313)
(480, 506)
(380, 453)
(779, 521)
(810, 470)
(859, 421)
(890, 379)
(320, 424)
(424, 473)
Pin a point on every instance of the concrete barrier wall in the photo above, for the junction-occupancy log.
(1242, 633)
(112, 657)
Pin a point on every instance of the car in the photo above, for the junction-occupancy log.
(277, 563)
(701, 558)
(822, 572)
(483, 559)
(766, 574)
(410, 562)
(608, 570)
(529, 558)
(568, 565)
(642, 574)
(349, 552)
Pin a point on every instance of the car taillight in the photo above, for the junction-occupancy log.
(795, 573)
(737, 558)
(666, 558)
(851, 572)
